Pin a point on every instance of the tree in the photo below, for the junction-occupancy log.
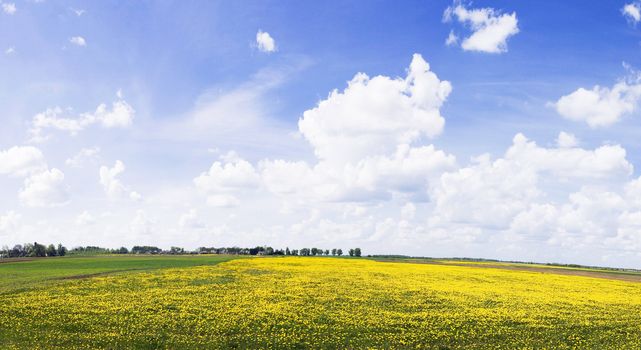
(326, 251)
(36, 250)
(351, 252)
(176, 250)
(51, 250)
(339, 252)
(17, 251)
(357, 252)
(334, 251)
(62, 250)
(145, 250)
(287, 252)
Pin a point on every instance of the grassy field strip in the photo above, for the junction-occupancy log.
(30, 273)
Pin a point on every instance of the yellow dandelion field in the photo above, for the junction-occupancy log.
(297, 302)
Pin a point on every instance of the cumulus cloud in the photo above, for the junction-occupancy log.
(600, 106)
(365, 139)
(265, 42)
(566, 140)
(21, 161)
(490, 28)
(45, 189)
(9, 8)
(226, 177)
(112, 185)
(120, 115)
(632, 12)
(490, 194)
(372, 116)
(78, 41)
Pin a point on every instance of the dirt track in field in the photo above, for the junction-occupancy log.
(619, 276)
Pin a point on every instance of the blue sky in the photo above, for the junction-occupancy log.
(186, 87)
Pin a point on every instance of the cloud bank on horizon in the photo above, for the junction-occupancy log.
(309, 149)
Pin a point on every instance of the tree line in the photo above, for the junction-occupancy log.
(39, 250)
(265, 250)
(34, 249)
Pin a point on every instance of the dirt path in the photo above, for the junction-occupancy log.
(619, 276)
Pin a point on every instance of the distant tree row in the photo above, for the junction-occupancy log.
(39, 250)
(34, 249)
(271, 251)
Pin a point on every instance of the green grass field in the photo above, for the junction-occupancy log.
(222, 302)
(24, 273)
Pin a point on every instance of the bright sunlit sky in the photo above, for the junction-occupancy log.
(493, 129)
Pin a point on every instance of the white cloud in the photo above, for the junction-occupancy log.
(9, 222)
(566, 140)
(226, 178)
(10, 51)
(604, 162)
(112, 186)
(364, 140)
(452, 39)
(85, 218)
(284, 178)
(490, 194)
(120, 115)
(265, 42)
(85, 155)
(78, 41)
(632, 12)
(600, 106)
(21, 161)
(9, 8)
(490, 28)
(372, 116)
(191, 220)
(45, 189)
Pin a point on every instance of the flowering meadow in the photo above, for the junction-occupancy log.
(296, 302)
